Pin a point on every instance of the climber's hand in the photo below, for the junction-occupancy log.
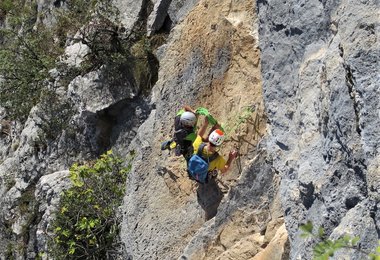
(233, 154)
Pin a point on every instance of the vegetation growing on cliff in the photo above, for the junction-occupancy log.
(31, 47)
(27, 53)
(87, 220)
(326, 248)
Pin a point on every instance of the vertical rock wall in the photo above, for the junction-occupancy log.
(320, 67)
(211, 59)
(35, 156)
(309, 151)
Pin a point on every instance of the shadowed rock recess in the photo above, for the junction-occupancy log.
(295, 85)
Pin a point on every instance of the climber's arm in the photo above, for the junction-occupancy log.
(203, 128)
(231, 157)
(188, 108)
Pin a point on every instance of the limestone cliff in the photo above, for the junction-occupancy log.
(305, 71)
(211, 59)
(324, 134)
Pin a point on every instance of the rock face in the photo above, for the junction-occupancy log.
(212, 60)
(47, 193)
(82, 120)
(319, 58)
(295, 86)
(157, 18)
(318, 86)
(129, 12)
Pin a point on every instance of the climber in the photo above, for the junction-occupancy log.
(205, 153)
(184, 133)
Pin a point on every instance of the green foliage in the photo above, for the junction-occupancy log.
(28, 52)
(307, 229)
(87, 223)
(122, 58)
(238, 120)
(41, 255)
(326, 247)
(9, 182)
(376, 254)
(55, 114)
(9, 253)
(6, 6)
(90, 20)
(70, 19)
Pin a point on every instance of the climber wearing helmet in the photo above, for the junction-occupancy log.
(215, 139)
(188, 119)
(204, 165)
(184, 133)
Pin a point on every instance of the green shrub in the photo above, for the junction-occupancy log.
(87, 223)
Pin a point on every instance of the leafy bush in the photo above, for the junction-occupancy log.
(87, 223)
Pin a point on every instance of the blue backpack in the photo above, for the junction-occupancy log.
(198, 165)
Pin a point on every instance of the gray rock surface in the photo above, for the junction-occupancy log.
(178, 9)
(129, 12)
(157, 18)
(48, 190)
(239, 228)
(363, 227)
(45, 10)
(92, 93)
(83, 120)
(163, 209)
(74, 54)
(320, 59)
(309, 151)
(151, 212)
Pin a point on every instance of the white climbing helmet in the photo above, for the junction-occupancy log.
(188, 119)
(216, 137)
